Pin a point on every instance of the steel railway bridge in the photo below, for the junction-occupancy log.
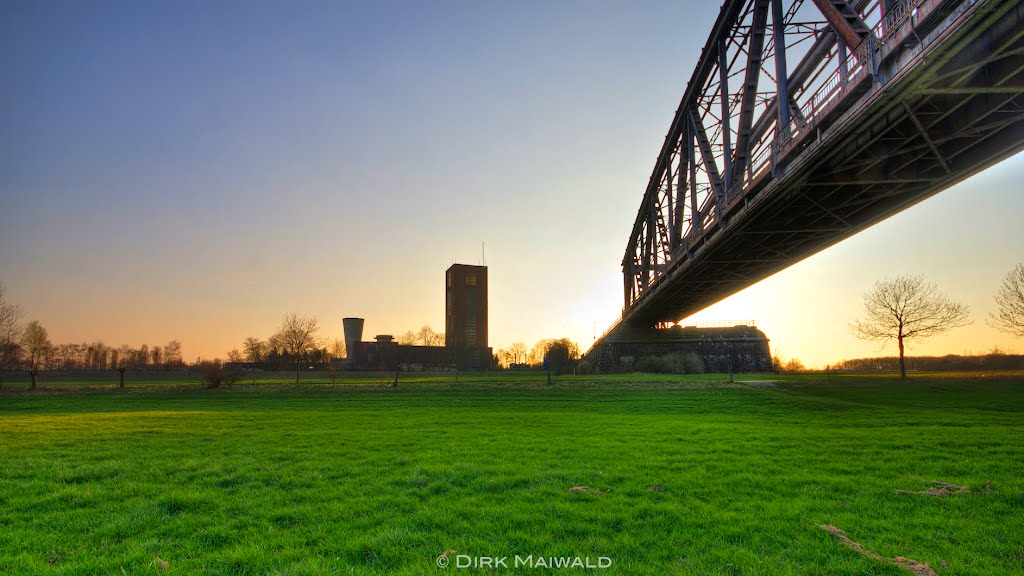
(807, 121)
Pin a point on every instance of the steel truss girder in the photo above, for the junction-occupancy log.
(958, 119)
(739, 44)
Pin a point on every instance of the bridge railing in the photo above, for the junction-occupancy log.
(722, 324)
(897, 14)
(607, 331)
(863, 59)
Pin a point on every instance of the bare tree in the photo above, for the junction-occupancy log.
(172, 353)
(126, 355)
(504, 358)
(92, 356)
(336, 352)
(428, 337)
(518, 351)
(297, 336)
(337, 348)
(10, 317)
(255, 349)
(235, 356)
(10, 332)
(425, 336)
(124, 358)
(36, 342)
(908, 308)
(1010, 301)
(536, 354)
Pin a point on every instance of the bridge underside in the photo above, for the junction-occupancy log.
(940, 108)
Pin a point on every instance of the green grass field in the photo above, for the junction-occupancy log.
(686, 476)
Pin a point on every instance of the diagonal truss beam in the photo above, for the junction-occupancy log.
(708, 158)
(844, 19)
(751, 75)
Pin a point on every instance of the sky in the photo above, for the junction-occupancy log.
(195, 170)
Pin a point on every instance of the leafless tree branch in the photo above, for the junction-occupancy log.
(1009, 317)
(908, 308)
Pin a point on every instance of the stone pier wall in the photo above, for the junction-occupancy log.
(739, 348)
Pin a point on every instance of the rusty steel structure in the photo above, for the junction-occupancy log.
(805, 122)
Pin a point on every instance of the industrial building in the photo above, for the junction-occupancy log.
(465, 332)
(465, 327)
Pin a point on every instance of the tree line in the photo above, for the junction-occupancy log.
(904, 309)
(297, 341)
(994, 360)
(27, 346)
(99, 356)
(425, 336)
(559, 352)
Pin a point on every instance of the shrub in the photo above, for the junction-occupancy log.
(561, 355)
(693, 364)
(795, 366)
(215, 374)
(672, 363)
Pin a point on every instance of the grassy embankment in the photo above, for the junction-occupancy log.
(686, 476)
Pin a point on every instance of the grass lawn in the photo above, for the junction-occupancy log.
(684, 476)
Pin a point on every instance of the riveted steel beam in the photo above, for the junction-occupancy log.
(748, 97)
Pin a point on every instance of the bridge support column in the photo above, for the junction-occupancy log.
(676, 349)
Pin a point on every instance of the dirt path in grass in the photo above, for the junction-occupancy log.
(761, 383)
(913, 566)
(940, 489)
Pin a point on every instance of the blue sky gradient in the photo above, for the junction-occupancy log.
(195, 170)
